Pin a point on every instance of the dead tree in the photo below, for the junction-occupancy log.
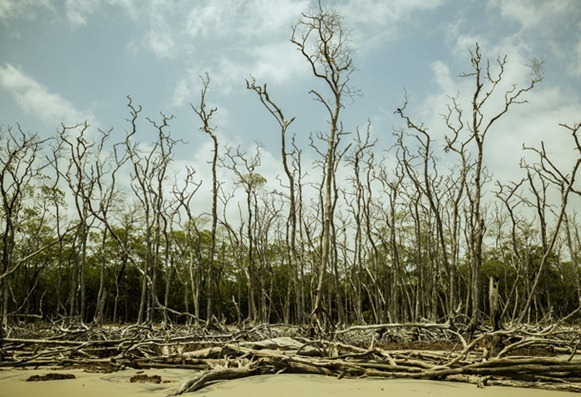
(544, 173)
(291, 234)
(244, 168)
(148, 183)
(358, 203)
(191, 249)
(323, 40)
(392, 182)
(509, 196)
(107, 163)
(422, 171)
(79, 151)
(205, 114)
(20, 168)
(106, 192)
(473, 132)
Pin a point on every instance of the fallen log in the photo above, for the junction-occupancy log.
(207, 377)
(346, 353)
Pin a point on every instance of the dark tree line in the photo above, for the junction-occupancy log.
(104, 231)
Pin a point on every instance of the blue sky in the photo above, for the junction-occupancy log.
(74, 60)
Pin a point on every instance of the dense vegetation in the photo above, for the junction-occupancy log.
(108, 232)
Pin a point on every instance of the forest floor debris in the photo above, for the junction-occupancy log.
(545, 357)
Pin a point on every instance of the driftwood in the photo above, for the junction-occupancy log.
(207, 377)
(541, 357)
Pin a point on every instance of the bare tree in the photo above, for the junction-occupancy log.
(323, 40)
(244, 168)
(192, 248)
(360, 156)
(541, 175)
(486, 82)
(20, 168)
(102, 167)
(291, 235)
(473, 133)
(79, 150)
(426, 181)
(205, 114)
(148, 183)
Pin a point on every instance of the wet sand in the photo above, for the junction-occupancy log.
(13, 384)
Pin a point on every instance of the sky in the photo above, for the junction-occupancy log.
(69, 61)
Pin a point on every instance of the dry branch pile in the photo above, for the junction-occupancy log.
(525, 356)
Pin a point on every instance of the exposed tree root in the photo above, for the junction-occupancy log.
(529, 356)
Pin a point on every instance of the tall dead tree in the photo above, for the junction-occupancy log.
(548, 173)
(291, 235)
(509, 196)
(78, 150)
(323, 40)
(148, 183)
(20, 169)
(424, 177)
(205, 114)
(386, 229)
(466, 138)
(360, 156)
(191, 249)
(474, 132)
(244, 168)
(105, 168)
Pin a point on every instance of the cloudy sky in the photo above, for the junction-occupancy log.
(67, 61)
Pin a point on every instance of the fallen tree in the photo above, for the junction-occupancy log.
(540, 357)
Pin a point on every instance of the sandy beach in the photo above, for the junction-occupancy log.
(13, 384)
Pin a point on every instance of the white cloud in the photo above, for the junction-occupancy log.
(442, 76)
(275, 64)
(254, 37)
(516, 47)
(34, 98)
(385, 13)
(575, 66)
(535, 122)
(160, 38)
(201, 22)
(376, 21)
(10, 9)
(127, 5)
(182, 93)
(224, 74)
(533, 14)
(278, 63)
(175, 27)
(247, 19)
(79, 11)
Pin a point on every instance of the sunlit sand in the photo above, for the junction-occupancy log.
(13, 384)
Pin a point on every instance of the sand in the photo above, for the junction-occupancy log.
(13, 384)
